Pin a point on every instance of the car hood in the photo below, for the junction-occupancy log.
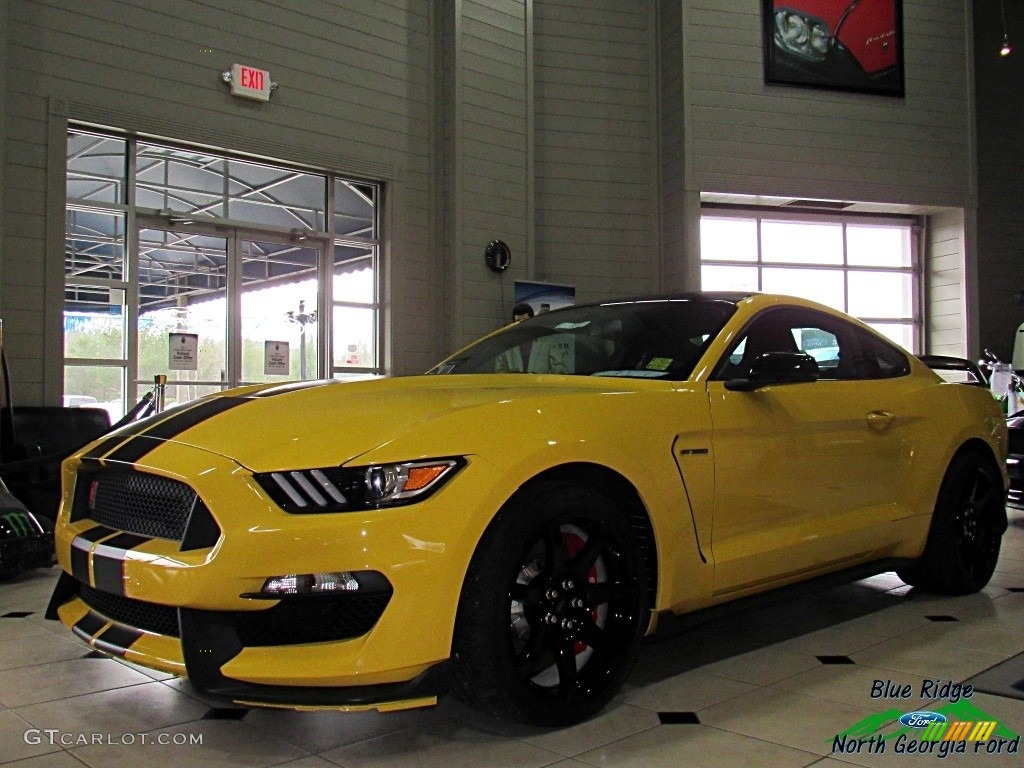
(329, 423)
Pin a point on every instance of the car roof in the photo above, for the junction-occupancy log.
(733, 297)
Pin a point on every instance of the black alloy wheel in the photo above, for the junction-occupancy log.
(966, 532)
(553, 608)
(976, 538)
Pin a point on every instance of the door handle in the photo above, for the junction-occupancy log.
(880, 420)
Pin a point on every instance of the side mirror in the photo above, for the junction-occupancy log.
(773, 368)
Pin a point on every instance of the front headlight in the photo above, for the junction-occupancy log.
(345, 489)
(804, 36)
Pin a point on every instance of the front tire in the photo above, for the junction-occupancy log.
(967, 527)
(553, 608)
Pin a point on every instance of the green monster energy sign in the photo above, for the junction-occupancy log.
(19, 523)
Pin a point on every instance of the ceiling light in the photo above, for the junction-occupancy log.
(1006, 48)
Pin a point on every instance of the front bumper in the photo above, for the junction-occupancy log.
(198, 644)
(191, 610)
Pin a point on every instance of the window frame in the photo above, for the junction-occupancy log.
(370, 239)
(914, 270)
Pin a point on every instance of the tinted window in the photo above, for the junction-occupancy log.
(644, 339)
(842, 350)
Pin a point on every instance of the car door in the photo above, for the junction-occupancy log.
(805, 473)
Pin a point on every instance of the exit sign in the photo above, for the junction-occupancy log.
(250, 83)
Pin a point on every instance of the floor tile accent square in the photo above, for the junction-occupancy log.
(836, 660)
(679, 718)
(225, 714)
(942, 618)
(16, 614)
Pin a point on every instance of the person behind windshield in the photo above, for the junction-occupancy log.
(516, 359)
(521, 311)
(548, 354)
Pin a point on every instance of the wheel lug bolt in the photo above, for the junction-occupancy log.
(577, 603)
(568, 624)
(551, 594)
(568, 584)
(551, 619)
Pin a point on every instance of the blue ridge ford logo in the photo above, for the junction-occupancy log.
(921, 719)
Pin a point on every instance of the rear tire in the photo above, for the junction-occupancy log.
(967, 527)
(553, 608)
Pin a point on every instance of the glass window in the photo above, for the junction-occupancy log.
(870, 245)
(353, 337)
(822, 285)
(801, 242)
(901, 333)
(863, 266)
(204, 234)
(94, 243)
(95, 386)
(355, 209)
(355, 312)
(93, 322)
(96, 168)
(723, 239)
(176, 180)
(881, 294)
(646, 339)
(199, 184)
(276, 197)
(842, 351)
(716, 277)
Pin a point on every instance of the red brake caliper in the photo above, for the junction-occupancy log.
(573, 544)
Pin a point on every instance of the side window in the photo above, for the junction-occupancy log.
(773, 331)
(822, 345)
(842, 351)
(880, 360)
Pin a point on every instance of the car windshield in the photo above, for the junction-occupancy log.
(660, 339)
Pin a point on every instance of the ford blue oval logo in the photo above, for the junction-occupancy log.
(921, 719)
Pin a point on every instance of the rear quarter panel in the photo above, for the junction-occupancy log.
(943, 419)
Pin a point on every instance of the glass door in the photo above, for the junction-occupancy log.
(220, 306)
(278, 312)
(182, 315)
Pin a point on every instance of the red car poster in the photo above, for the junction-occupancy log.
(854, 45)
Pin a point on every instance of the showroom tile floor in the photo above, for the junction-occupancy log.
(770, 686)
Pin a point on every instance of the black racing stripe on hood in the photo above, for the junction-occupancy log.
(293, 386)
(137, 447)
(101, 448)
(132, 430)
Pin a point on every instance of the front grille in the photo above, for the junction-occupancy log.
(136, 502)
(151, 617)
(313, 619)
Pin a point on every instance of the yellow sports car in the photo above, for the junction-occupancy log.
(513, 535)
